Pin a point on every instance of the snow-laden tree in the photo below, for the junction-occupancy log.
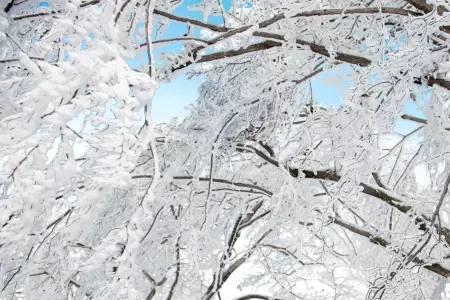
(70, 135)
(260, 193)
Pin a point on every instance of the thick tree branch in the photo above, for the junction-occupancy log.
(312, 13)
(352, 59)
(316, 48)
(425, 7)
(319, 49)
(414, 119)
(421, 5)
(341, 11)
(8, 6)
(430, 81)
(417, 120)
(376, 239)
(368, 189)
(358, 11)
(224, 181)
(190, 21)
(230, 53)
(269, 44)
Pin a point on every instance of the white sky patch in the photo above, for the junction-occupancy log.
(422, 176)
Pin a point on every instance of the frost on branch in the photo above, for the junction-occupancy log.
(261, 192)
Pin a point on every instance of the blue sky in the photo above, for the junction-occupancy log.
(173, 98)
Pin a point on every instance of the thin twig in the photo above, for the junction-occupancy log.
(11, 175)
(153, 223)
(406, 168)
(177, 270)
(11, 278)
(148, 13)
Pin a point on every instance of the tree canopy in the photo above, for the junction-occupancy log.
(260, 192)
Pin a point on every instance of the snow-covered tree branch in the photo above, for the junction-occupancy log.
(261, 192)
